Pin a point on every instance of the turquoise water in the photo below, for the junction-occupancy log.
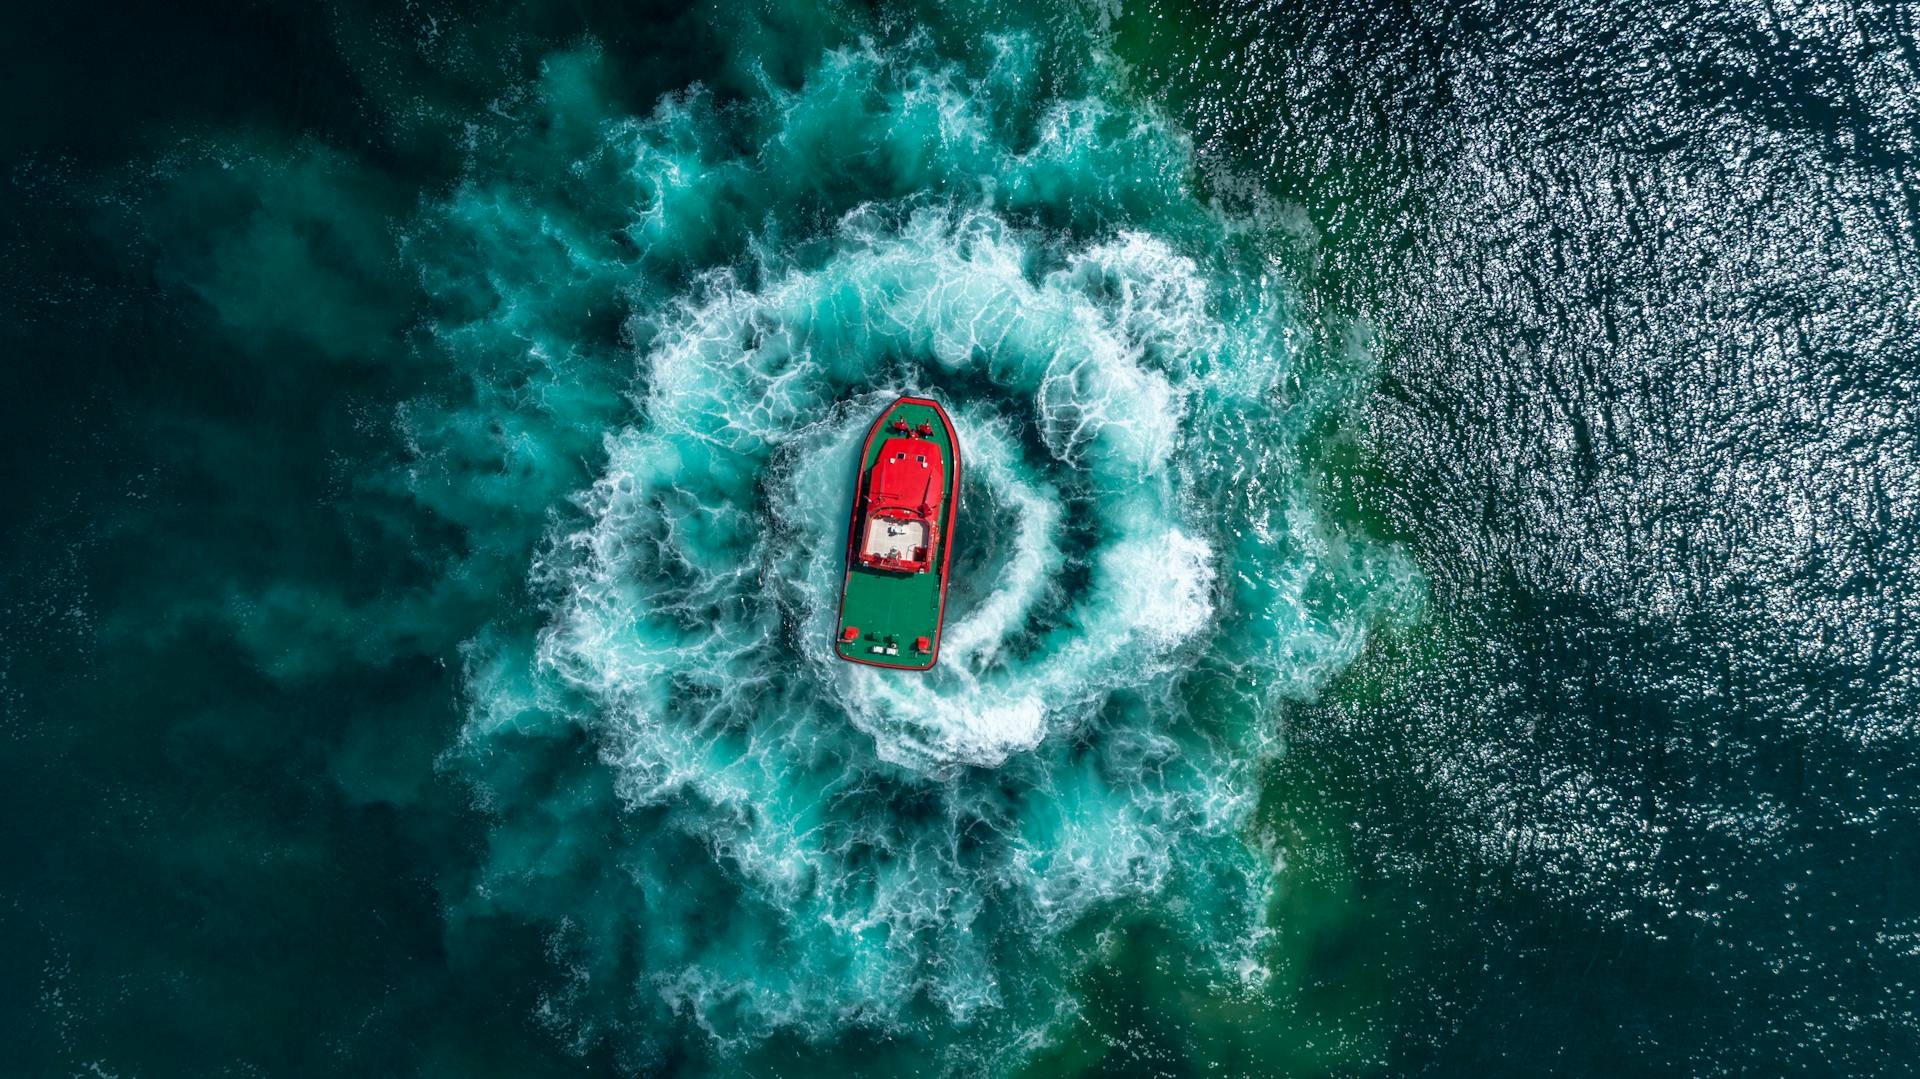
(1435, 590)
(815, 851)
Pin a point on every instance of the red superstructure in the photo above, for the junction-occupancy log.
(905, 490)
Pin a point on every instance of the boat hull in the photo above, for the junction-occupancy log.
(890, 618)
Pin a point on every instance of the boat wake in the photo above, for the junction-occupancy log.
(667, 334)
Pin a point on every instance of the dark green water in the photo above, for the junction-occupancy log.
(1439, 599)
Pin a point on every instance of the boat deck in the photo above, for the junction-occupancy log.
(893, 610)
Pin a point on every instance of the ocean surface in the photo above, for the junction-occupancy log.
(1436, 595)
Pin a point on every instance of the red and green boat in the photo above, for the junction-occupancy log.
(900, 540)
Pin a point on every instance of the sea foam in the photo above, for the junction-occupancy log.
(726, 829)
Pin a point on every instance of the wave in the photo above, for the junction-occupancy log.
(724, 829)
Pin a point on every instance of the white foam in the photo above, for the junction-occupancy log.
(689, 613)
(973, 640)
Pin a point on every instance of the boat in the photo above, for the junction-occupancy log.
(906, 501)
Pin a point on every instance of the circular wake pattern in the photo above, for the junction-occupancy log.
(718, 820)
(718, 548)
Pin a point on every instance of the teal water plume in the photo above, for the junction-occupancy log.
(807, 848)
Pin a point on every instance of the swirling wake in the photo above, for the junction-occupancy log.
(717, 820)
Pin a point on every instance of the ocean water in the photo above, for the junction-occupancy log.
(1436, 591)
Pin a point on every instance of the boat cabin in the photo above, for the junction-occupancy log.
(905, 489)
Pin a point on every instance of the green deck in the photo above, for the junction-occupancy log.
(897, 605)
